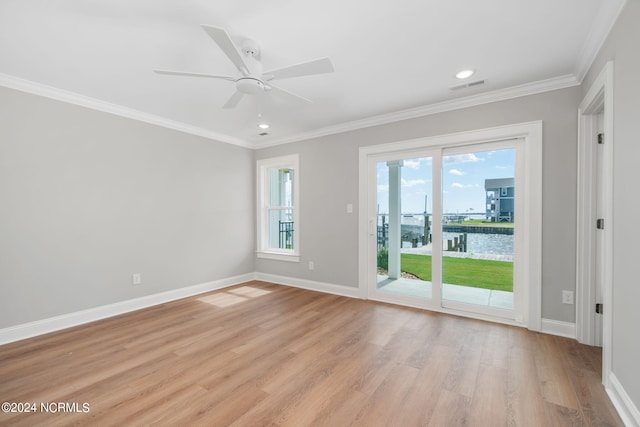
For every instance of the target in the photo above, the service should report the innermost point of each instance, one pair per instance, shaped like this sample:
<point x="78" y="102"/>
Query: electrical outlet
<point x="311" y="266"/>
<point x="349" y="208"/>
<point x="567" y="297"/>
<point x="136" y="279"/>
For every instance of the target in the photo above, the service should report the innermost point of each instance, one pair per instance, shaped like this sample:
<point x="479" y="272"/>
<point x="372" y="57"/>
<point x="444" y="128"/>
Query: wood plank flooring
<point x="260" y="354"/>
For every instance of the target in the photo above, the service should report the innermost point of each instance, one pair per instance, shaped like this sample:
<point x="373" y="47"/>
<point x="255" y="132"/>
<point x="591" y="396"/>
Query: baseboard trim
<point x="310" y="285"/>
<point x="556" y="327"/>
<point x="624" y="405"/>
<point x="40" y="327"/>
<point x="52" y="324"/>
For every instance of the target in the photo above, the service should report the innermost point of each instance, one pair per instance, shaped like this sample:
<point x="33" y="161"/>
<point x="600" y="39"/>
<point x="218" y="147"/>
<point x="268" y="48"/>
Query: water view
<point x="478" y="243"/>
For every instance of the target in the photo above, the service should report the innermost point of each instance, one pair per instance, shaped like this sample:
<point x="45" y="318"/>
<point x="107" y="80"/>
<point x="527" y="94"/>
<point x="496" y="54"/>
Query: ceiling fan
<point x="251" y="79"/>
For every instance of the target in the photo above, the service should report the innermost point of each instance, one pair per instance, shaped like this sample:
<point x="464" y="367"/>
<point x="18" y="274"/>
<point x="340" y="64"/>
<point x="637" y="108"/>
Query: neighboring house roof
<point x="498" y="183"/>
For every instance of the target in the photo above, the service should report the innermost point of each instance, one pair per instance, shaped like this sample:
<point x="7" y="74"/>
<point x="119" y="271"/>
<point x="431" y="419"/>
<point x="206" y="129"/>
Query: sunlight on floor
<point x="249" y="292"/>
<point x="233" y="296"/>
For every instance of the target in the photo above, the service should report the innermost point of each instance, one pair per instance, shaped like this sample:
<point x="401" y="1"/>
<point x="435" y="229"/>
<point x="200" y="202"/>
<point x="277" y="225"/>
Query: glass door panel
<point x="478" y="224"/>
<point x="404" y="227"/>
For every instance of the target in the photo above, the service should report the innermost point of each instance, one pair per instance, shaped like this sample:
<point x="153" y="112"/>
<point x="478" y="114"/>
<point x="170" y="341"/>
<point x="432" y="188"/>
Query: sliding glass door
<point x="446" y="222"/>
<point x="478" y="229"/>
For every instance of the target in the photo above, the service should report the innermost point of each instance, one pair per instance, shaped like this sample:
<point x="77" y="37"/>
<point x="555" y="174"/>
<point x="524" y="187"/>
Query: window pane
<point x="281" y="186"/>
<point x="281" y="228"/>
<point x="478" y="228"/>
<point x="404" y="240"/>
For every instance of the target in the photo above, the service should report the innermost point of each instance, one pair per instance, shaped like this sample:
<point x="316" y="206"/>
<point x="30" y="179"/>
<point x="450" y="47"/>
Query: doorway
<point x="595" y="218"/>
<point x="445" y="220"/>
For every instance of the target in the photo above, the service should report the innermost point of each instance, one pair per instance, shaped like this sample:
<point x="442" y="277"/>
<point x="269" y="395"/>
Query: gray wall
<point x="622" y="47"/>
<point x="88" y="198"/>
<point x="329" y="180"/>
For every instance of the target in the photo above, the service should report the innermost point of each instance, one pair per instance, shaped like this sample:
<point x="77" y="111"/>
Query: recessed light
<point x="263" y="126"/>
<point x="464" y="74"/>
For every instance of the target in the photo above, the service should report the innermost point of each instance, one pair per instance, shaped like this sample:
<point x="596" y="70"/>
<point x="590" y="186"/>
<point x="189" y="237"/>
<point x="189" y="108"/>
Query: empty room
<point x="319" y="214"/>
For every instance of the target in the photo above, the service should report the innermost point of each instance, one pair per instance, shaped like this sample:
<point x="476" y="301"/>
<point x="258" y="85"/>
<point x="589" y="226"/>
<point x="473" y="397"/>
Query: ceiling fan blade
<point x="234" y="100"/>
<point x="225" y="43"/>
<point x="188" y="74"/>
<point x="286" y="94"/>
<point x="318" y="66"/>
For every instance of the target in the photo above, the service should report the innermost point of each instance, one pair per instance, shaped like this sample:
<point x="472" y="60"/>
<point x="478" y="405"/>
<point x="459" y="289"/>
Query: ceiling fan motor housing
<point x="249" y="85"/>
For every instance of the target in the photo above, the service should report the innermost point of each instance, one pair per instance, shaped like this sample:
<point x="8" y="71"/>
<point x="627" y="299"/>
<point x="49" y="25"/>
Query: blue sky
<point x="462" y="179"/>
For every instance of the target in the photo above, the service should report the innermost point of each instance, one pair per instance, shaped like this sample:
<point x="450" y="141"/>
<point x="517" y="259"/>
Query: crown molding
<point x="28" y="86"/>
<point x="606" y="18"/>
<point x="440" y="107"/>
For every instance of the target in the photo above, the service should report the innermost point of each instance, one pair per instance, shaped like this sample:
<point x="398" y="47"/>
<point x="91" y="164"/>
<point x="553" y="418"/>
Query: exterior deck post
<point x="395" y="217"/>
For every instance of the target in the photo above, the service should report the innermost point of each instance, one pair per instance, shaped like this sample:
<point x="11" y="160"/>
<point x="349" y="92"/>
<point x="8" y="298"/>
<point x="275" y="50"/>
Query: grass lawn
<point x="477" y="273"/>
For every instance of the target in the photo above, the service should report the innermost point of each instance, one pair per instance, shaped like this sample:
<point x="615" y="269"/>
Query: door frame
<point x="598" y="99"/>
<point x="531" y="134"/>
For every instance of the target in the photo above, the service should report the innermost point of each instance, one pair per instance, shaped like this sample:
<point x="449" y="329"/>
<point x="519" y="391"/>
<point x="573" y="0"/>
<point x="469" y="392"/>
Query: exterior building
<point x="500" y="199"/>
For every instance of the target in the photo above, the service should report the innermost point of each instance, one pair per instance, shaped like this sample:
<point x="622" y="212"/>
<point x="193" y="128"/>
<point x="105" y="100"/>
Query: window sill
<point x="278" y="256"/>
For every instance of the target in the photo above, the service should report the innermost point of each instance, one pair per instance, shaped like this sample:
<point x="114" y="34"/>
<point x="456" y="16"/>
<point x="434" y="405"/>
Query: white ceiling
<point x="392" y="59"/>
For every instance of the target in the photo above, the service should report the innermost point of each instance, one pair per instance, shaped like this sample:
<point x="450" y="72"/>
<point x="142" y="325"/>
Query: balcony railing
<point x="285" y="229"/>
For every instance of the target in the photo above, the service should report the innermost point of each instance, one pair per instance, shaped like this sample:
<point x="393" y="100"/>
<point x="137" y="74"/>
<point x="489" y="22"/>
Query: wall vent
<point x="467" y="85"/>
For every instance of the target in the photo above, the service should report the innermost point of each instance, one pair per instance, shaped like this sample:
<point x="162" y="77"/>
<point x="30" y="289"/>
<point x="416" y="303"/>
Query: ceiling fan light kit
<point x="252" y="80"/>
<point x="249" y="85"/>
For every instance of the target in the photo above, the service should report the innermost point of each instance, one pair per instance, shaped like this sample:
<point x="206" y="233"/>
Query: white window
<point x="278" y="223"/>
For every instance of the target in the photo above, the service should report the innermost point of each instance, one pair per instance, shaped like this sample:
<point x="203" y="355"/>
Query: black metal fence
<point x="383" y="235"/>
<point x="285" y="229"/>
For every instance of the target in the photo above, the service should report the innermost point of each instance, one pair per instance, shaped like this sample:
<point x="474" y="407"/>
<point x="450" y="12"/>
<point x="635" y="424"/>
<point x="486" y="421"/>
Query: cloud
<point x="463" y="158"/>
<point x="456" y="172"/>
<point x="383" y="188"/>
<point x="412" y="163"/>
<point x="459" y="185"/>
<point x="412" y="182"/>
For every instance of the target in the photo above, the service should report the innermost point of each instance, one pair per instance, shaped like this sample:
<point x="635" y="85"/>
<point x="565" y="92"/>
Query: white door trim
<point x="599" y="99"/>
<point x="531" y="133"/>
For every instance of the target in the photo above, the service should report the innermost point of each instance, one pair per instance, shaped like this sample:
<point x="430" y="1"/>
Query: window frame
<point x="263" y="206"/>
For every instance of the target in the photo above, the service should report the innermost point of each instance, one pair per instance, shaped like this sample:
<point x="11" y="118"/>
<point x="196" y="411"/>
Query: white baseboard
<point x="311" y="285"/>
<point x="624" y="405"/>
<point x="556" y="327"/>
<point x="52" y="324"/>
<point x="28" y="330"/>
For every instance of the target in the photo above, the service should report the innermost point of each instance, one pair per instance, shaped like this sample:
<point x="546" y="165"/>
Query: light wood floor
<point x="262" y="354"/>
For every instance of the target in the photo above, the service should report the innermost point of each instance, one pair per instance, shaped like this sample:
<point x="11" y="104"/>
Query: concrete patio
<point x="465" y="294"/>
